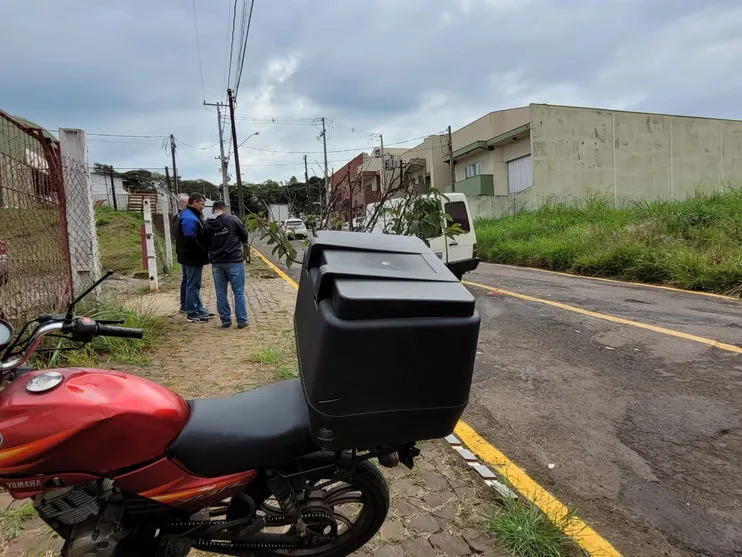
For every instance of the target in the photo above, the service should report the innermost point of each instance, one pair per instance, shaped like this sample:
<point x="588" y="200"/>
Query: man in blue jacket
<point x="193" y="254"/>
<point x="226" y="253"/>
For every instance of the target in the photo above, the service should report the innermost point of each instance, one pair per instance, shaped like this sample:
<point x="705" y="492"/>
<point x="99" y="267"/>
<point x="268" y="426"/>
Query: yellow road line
<point x="575" y="528"/>
<point x="578" y="530"/>
<point x="613" y="319"/>
<point x="626" y="283"/>
<point x="275" y="269"/>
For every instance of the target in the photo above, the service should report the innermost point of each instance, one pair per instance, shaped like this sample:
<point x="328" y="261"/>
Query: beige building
<point x="517" y="158"/>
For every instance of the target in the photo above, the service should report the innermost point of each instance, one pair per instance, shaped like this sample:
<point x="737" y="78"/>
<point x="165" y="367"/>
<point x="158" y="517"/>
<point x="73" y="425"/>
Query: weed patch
<point x="694" y="244"/>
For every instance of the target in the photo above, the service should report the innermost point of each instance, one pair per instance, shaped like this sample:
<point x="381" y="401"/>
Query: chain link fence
<point x="35" y="272"/>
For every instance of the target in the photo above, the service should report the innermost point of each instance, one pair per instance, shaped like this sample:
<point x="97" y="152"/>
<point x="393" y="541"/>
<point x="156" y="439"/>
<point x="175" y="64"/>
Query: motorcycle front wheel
<point x="342" y="514"/>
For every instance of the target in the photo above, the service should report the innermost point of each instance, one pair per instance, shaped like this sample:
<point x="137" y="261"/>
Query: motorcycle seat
<point x="258" y="429"/>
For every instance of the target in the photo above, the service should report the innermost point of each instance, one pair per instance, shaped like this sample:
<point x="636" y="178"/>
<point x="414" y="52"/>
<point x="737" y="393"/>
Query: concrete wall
<point x="490" y="125"/>
<point x="432" y="150"/>
<point x="629" y="155"/>
<point x="495" y="162"/>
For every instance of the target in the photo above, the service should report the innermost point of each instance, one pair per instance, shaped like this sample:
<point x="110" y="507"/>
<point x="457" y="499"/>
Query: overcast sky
<point x="405" y="68"/>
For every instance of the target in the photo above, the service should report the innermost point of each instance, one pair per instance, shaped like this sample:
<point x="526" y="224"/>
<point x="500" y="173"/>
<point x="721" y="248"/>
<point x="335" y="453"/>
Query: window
<point x="520" y="175"/>
<point x="457" y="211"/>
<point x="474" y="169"/>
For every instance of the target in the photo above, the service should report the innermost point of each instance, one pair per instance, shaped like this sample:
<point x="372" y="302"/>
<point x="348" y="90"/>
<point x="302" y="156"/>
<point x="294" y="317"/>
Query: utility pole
<point x="450" y="161"/>
<point x="324" y="148"/>
<point x="113" y="189"/>
<point x="175" y="168"/>
<point x="306" y="171"/>
<point x="235" y="148"/>
<point x="167" y="180"/>
<point x="383" y="166"/>
<point x="224" y="164"/>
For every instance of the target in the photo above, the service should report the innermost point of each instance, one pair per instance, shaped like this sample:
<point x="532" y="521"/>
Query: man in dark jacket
<point x="193" y="255"/>
<point x="226" y="254"/>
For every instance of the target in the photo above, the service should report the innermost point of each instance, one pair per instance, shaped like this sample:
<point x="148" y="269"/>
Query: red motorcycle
<point x="120" y="466"/>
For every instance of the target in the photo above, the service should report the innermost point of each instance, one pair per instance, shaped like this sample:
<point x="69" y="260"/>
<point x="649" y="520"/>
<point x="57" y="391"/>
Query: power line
<point x="214" y="146"/>
<point x="231" y="43"/>
<point x="244" y="48"/>
<point x="332" y="151"/>
<point x="198" y="48"/>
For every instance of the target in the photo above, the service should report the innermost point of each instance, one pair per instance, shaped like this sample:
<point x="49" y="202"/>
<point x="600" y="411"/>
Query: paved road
<point x="639" y="431"/>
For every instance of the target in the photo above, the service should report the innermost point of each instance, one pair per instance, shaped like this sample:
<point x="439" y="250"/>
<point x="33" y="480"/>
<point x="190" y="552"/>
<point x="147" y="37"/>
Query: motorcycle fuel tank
<point x="85" y="421"/>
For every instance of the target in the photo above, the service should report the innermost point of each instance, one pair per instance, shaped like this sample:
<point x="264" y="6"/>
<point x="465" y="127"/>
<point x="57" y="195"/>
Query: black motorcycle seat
<point x="262" y="428"/>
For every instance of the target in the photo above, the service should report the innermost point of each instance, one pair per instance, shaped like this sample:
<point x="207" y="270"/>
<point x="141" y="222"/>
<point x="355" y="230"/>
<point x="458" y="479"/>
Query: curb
<point x="484" y="471"/>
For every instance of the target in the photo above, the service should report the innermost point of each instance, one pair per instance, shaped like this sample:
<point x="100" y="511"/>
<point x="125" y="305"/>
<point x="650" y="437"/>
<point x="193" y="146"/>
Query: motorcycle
<point x="120" y="466"/>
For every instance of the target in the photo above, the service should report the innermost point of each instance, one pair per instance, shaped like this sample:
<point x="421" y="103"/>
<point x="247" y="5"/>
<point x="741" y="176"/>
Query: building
<point x="103" y="187"/>
<point x="518" y="158"/>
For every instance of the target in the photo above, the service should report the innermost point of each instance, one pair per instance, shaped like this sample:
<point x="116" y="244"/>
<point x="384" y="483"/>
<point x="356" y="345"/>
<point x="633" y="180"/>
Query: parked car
<point x="4" y="263"/>
<point x="295" y="228"/>
<point x="458" y="253"/>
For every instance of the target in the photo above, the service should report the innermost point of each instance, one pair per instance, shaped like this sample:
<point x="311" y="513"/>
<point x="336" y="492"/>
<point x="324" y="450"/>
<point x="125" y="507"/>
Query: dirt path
<point x="437" y="508"/>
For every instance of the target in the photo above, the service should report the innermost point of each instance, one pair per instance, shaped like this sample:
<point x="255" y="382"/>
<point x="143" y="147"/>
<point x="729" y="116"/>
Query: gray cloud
<point x="402" y="68"/>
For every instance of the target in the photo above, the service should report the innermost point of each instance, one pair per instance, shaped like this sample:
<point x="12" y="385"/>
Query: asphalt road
<point x="638" y="431"/>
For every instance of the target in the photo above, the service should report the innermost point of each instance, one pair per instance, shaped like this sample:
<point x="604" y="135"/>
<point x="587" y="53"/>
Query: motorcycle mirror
<point x="71" y="307"/>
<point x="6" y="333"/>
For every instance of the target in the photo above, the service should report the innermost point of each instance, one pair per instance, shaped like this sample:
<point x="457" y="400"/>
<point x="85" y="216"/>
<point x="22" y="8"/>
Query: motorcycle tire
<point x="370" y="483"/>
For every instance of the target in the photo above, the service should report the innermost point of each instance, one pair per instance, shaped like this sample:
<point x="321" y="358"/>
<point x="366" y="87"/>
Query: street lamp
<point x="248" y="137"/>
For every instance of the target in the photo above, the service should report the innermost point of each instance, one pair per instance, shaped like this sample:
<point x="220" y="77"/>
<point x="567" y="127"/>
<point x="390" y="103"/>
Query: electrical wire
<point x="195" y="146"/>
<point x="244" y="49"/>
<point x="332" y="150"/>
<point x="231" y="43"/>
<point x="198" y="49"/>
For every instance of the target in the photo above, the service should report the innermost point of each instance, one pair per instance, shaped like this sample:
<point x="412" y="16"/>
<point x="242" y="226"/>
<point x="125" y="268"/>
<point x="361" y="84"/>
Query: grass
<point x="694" y="244"/>
<point x="525" y="531"/>
<point x="280" y="357"/>
<point x="120" y="244"/>
<point x="11" y="520"/>
<point x="103" y="350"/>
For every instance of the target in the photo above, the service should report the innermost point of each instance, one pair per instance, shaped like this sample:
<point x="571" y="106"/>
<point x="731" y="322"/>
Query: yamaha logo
<point x="24" y="484"/>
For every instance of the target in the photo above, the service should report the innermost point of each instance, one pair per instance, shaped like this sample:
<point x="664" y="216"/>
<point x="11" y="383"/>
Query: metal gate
<point x="35" y="272"/>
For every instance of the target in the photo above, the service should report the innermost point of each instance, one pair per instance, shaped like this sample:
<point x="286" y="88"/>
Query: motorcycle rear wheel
<point x="366" y="488"/>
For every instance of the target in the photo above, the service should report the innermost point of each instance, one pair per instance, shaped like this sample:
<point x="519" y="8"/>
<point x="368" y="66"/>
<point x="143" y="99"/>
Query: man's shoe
<point x="207" y="315"/>
<point x="226" y="325"/>
<point x="183" y="310"/>
<point x="242" y="325"/>
<point x="196" y="319"/>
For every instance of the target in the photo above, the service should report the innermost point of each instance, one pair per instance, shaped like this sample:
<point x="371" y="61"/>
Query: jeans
<point x="193" y="276"/>
<point x="233" y="274"/>
<point x="183" y="290"/>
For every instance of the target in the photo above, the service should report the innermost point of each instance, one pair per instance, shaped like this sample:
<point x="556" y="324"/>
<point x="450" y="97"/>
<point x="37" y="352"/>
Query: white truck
<point x="278" y="212"/>
<point x="458" y="253"/>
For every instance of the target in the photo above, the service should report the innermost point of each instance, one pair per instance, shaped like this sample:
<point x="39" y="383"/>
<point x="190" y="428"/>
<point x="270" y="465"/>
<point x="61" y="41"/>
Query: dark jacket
<point x="175" y="232"/>
<point x="227" y="234"/>
<point x="192" y="240"/>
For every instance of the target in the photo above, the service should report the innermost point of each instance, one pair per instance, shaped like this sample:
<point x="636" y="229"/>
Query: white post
<point x="164" y="202"/>
<point x="151" y="253"/>
<point x="83" y="240"/>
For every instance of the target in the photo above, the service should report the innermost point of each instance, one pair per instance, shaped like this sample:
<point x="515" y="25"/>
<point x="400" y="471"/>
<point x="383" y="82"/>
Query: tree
<point x="143" y="181"/>
<point x="210" y="190"/>
<point x="401" y="210"/>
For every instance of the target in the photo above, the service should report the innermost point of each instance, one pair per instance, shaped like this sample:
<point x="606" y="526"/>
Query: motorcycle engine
<point x="86" y="516"/>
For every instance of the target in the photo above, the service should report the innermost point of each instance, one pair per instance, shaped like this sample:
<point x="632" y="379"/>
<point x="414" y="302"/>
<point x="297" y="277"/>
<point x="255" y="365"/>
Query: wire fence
<point x="35" y="272"/>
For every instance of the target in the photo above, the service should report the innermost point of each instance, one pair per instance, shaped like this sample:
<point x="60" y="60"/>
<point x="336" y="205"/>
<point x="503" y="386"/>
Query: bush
<point x="694" y="244"/>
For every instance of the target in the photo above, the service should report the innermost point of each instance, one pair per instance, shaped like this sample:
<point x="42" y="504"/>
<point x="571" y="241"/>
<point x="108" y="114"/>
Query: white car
<point x="295" y="228"/>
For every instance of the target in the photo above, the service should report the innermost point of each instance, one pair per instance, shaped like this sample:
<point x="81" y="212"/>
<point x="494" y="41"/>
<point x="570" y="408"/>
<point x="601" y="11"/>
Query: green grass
<point x="103" y="350"/>
<point x="694" y="244"/>
<point x="525" y="531"/>
<point x="287" y="371"/>
<point x="268" y="356"/>
<point x="120" y="244"/>
<point x="11" y="520"/>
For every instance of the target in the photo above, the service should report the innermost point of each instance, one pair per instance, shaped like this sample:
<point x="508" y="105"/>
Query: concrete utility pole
<point x="306" y="171"/>
<point x="235" y="147"/>
<point x="383" y="166"/>
<point x="175" y="168"/>
<point x="450" y="161"/>
<point x="224" y="163"/>
<point x="167" y="180"/>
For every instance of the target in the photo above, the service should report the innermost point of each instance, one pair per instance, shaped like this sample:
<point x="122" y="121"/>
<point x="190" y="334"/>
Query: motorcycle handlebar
<point x="121" y="332"/>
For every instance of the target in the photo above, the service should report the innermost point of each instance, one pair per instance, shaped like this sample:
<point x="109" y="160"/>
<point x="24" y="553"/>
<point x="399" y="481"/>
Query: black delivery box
<point x="386" y="338"/>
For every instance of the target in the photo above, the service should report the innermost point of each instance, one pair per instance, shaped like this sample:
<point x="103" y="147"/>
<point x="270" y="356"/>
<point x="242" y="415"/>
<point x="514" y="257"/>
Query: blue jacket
<point x="192" y="240"/>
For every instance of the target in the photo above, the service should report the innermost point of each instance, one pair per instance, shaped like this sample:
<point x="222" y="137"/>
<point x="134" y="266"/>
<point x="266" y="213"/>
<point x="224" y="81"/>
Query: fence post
<point x="163" y="201"/>
<point x="83" y="240"/>
<point x="151" y="252"/>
